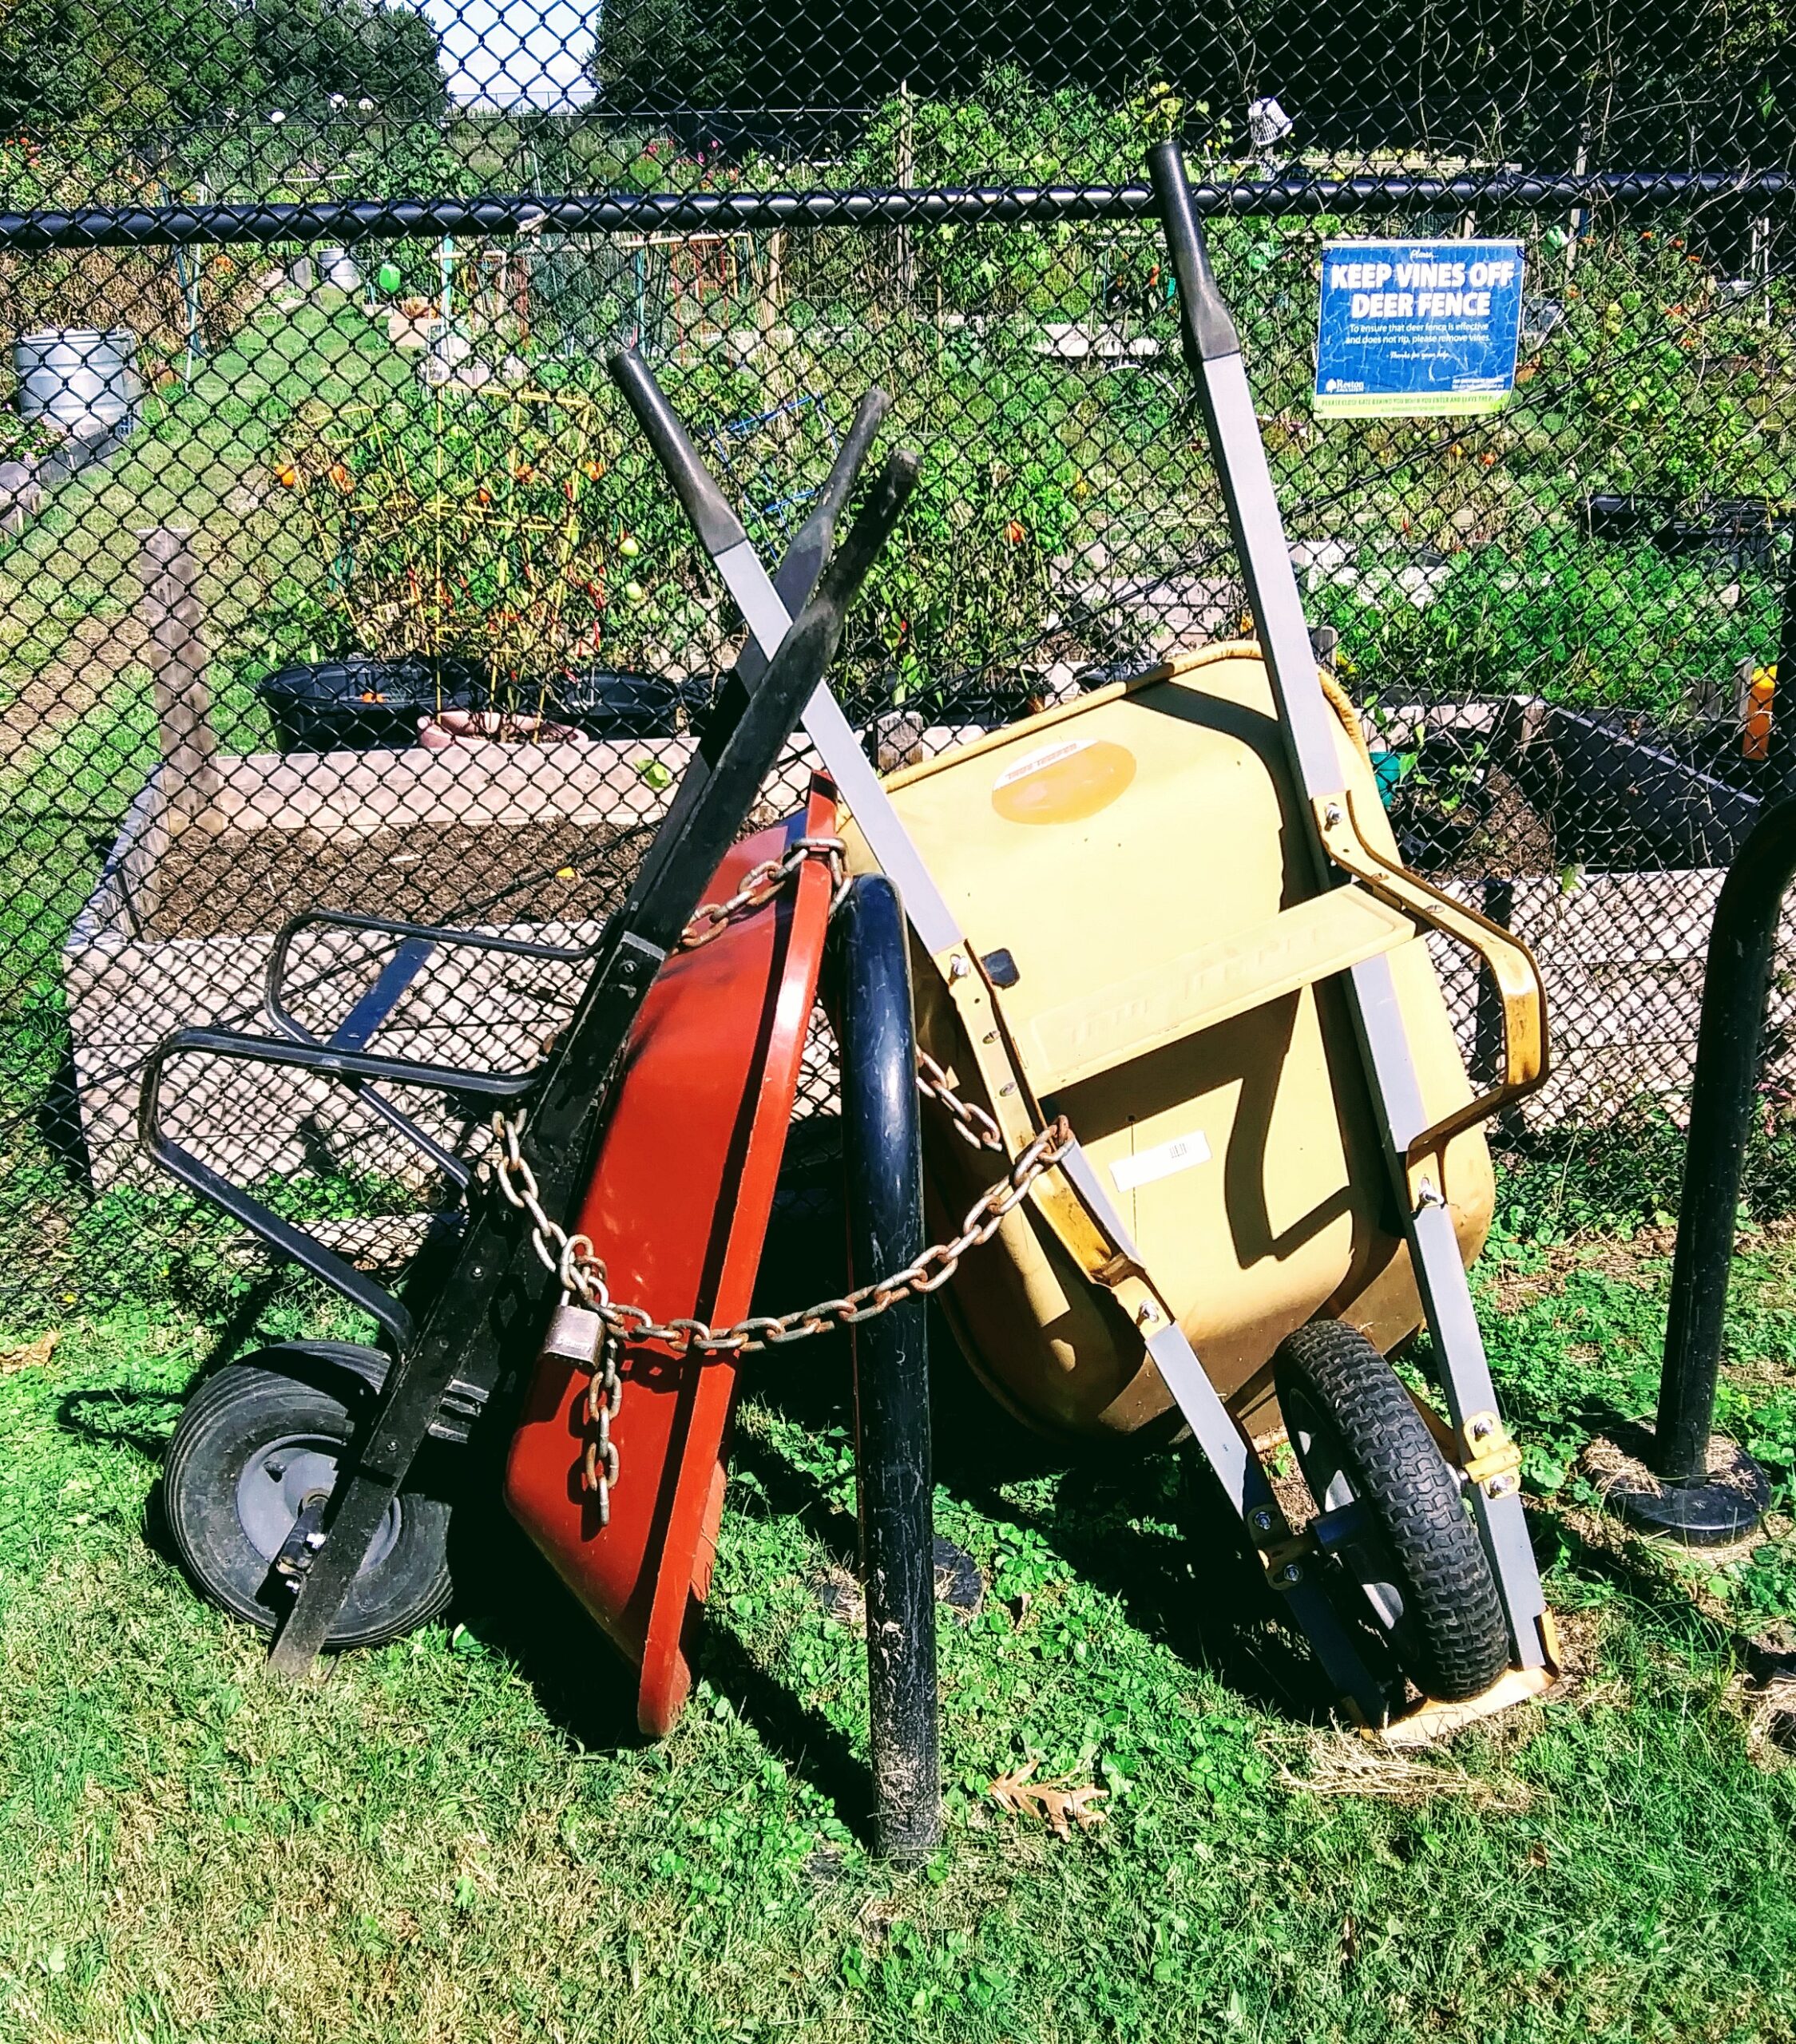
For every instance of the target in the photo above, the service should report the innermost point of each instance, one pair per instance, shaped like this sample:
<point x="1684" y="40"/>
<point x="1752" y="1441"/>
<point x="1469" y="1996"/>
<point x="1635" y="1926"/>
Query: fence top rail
<point x="1371" y="194"/>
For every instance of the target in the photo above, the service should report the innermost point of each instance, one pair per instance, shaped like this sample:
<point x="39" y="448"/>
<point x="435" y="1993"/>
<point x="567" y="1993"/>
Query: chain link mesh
<point x="333" y="573"/>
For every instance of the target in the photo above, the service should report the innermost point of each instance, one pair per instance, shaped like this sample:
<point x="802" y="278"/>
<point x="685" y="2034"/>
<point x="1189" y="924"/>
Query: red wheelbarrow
<point x="636" y="1163"/>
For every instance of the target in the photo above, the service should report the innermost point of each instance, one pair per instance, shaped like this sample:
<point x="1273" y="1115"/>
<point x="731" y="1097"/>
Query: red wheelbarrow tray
<point x="678" y="1209"/>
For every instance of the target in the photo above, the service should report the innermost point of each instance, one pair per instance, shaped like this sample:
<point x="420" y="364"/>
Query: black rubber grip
<point x="718" y="527"/>
<point x="1210" y="332"/>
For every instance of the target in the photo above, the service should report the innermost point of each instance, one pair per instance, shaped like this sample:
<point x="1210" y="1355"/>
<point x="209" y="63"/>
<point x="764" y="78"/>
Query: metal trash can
<point x="80" y="379"/>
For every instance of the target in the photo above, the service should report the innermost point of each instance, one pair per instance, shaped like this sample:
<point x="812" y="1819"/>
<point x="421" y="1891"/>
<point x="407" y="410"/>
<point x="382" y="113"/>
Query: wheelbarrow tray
<point x="1162" y="969"/>
<point x="678" y="1208"/>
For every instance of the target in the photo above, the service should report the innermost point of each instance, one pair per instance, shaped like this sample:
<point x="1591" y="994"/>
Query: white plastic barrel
<point x="337" y="266"/>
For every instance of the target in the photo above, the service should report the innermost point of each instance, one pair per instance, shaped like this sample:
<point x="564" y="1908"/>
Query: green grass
<point x="80" y="732"/>
<point x="457" y="1836"/>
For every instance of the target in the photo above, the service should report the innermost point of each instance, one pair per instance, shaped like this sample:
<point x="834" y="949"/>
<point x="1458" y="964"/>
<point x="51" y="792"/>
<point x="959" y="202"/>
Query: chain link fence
<point x="334" y="575"/>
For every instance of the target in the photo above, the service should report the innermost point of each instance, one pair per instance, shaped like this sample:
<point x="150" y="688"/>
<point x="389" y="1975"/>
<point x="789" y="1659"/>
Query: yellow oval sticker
<point x="1061" y="783"/>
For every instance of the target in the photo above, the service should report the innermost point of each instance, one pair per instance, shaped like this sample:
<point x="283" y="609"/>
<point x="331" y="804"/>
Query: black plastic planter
<point x="1607" y="792"/>
<point x="1619" y="790"/>
<point x="360" y="704"/>
<point x="1741" y="528"/>
<point x="606" y="704"/>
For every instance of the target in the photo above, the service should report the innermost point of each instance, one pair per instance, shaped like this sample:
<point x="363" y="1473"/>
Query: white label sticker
<point x="1044" y="755"/>
<point x="1161" y="1162"/>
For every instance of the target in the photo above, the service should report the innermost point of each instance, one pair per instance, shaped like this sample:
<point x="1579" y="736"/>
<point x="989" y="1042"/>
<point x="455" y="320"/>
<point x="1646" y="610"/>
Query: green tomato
<point x="628" y="547"/>
<point x="633" y="591"/>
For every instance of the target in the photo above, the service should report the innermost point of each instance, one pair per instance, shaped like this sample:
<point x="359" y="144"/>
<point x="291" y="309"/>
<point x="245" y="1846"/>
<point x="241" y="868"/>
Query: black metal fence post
<point x="882" y="1160"/>
<point x="1692" y="1501"/>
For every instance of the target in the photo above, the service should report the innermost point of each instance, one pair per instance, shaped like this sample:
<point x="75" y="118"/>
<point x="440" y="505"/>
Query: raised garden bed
<point x="537" y="841"/>
<point x="1602" y="846"/>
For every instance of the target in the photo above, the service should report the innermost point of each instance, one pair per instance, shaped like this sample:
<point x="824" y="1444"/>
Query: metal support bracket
<point x="1489" y="1458"/>
<point x="1521" y="990"/>
<point x="1290" y="1565"/>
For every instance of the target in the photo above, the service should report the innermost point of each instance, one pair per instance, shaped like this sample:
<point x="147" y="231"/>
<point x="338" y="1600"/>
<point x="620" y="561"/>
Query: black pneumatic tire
<point x="1424" y="1578"/>
<point x="253" y="1440"/>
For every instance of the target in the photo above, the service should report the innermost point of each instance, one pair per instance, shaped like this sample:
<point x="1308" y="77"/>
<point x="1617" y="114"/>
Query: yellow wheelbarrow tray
<point x="1142" y="949"/>
<point x="1143" y="954"/>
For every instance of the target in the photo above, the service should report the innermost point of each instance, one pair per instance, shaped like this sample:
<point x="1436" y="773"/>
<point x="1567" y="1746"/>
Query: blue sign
<point x="1411" y="328"/>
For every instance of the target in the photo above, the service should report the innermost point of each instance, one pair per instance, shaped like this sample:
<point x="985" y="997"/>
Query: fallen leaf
<point x="32" y="1354"/>
<point x="1059" y="1804"/>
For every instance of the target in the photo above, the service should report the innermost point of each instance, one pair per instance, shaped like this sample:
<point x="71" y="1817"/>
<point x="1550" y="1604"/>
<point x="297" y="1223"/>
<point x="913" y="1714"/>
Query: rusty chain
<point x="971" y="1123"/>
<point x="762" y="882"/>
<point x="581" y="1273"/>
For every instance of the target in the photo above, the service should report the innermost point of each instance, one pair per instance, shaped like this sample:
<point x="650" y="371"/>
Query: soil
<point x="1511" y="840"/>
<point x="1609" y="1257"/>
<point x="239" y="883"/>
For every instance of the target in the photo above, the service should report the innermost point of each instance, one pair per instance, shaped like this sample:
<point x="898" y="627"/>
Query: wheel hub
<point x="277" y="1480"/>
<point x="1355" y="1540"/>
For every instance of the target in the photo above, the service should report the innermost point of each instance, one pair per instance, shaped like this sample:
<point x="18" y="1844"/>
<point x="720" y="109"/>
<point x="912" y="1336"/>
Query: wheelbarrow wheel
<point x="256" y="1442"/>
<point x="1408" y="1545"/>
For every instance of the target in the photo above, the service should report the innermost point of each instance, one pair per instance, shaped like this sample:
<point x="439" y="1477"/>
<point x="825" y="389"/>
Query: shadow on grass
<point x="119" y="1416"/>
<point x="511" y="1600"/>
<point x="58" y="1119"/>
<point x="1625" y="1564"/>
<point x="1195" y="1590"/>
<point x="1169" y="1552"/>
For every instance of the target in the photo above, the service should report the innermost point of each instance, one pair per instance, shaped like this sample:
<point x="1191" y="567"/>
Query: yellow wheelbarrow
<point x="1176" y="985"/>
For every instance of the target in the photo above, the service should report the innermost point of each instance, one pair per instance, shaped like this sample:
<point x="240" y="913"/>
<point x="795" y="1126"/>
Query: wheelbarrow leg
<point x="1213" y="353"/>
<point x="882" y="1157"/>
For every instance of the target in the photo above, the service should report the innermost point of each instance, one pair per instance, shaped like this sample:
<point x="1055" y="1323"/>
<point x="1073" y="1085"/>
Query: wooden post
<point x="1576" y="220"/>
<point x="177" y="660"/>
<point x="775" y="374"/>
